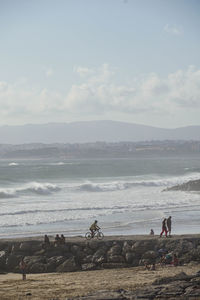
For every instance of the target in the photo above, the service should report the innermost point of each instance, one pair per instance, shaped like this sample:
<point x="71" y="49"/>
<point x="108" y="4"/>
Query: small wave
<point x="34" y="211"/>
<point x="40" y="188"/>
<point x="7" y="193"/>
<point x="13" y="164"/>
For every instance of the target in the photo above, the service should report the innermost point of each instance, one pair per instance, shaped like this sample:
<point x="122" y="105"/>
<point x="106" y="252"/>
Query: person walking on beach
<point x="164" y="227"/>
<point x="22" y="266"/>
<point x="169" y="225"/>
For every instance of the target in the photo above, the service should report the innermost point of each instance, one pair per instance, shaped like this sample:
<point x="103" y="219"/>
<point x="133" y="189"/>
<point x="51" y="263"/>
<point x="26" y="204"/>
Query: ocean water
<point x="125" y="195"/>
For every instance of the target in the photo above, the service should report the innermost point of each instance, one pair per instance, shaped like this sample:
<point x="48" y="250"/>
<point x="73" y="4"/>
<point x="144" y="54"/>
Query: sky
<point x="79" y="60"/>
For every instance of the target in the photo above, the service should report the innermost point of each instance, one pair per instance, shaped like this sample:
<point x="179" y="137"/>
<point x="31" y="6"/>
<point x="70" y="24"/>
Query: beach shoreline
<point x="81" y="238"/>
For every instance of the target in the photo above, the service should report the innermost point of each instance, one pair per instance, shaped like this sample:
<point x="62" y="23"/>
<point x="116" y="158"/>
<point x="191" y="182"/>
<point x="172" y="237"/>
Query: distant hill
<point x="92" y="131"/>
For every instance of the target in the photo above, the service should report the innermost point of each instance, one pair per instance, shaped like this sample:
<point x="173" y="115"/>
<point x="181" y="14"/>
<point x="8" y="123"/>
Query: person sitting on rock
<point x="175" y="261"/>
<point x="94" y="227"/>
<point x="62" y="239"/>
<point x="57" y="240"/>
<point x="168" y="258"/>
<point x="46" y="243"/>
<point x="151" y="232"/>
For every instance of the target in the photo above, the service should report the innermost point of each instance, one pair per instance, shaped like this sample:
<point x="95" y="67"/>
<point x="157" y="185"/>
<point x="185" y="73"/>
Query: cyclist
<point x="94" y="227"/>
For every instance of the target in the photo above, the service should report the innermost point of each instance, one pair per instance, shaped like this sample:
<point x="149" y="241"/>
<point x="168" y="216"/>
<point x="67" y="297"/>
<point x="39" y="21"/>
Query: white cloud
<point x="173" y="29"/>
<point x="83" y="71"/>
<point x="98" y="94"/>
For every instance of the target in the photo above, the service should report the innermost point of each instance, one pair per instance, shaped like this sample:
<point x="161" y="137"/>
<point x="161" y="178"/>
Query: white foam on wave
<point x="40" y="188"/>
<point x="13" y="164"/>
<point x="32" y="187"/>
<point x="7" y="193"/>
<point x="123" y="185"/>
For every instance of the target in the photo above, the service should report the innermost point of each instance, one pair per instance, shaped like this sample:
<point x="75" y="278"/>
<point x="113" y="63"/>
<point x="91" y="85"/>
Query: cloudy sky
<point x="126" y="60"/>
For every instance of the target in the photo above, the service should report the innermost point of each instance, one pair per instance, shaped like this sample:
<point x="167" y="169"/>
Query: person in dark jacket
<point x="169" y="224"/>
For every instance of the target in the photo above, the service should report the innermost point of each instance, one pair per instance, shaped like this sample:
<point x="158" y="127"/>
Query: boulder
<point x="26" y="247"/>
<point x="54" y="262"/>
<point x="127" y="247"/>
<point x="15" y="249"/>
<point x="150" y="256"/>
<point x="129" y="256"/>
<point x="88" y="267"/>
<point x="12" y="261"/>
<point x="88" y="251"/>
<point x="99" y="256"/>
<point x="87" y="259"/>
<point x="69" y="265"/>
<point x="114" y="250"/>
<point x="2" y="260"/>
<point x="31" y="261"/>
<point x="37" y="268"/>
<point x="115" y="259"/>
<point x="93" y="244"/>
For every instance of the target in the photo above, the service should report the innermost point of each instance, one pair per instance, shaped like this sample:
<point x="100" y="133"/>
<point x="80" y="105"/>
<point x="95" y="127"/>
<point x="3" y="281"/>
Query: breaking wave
<point x="123" y="185"/>
<point x="32" y="187"/>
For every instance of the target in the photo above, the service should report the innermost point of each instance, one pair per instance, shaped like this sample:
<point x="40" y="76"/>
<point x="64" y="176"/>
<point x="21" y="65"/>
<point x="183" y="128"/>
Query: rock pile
<point x="192" y="185"/>
<point x="90" y="255"/>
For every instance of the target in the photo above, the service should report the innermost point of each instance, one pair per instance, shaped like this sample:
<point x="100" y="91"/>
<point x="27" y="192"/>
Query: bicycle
<point x="97" y="234"/>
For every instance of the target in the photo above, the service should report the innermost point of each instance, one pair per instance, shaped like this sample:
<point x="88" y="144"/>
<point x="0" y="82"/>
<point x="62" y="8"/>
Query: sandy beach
<point x="61" y="286"/>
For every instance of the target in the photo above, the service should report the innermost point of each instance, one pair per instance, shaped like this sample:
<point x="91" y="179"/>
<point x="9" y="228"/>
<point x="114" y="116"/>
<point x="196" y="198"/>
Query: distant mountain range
<point x="92" y="131"/>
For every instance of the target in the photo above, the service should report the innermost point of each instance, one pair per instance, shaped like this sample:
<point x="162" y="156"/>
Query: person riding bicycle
<point x="94" y="227"/>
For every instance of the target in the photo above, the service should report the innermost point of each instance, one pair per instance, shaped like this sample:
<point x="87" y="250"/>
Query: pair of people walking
<point x="166" y="226"/>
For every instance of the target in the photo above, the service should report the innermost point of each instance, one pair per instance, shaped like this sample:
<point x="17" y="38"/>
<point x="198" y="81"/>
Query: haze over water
<point x="125" y="195"/>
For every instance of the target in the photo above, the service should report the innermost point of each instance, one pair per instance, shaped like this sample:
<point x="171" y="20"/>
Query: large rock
<point x="35" y="263"/>
<point x="127" y="247"/>
<point x="12" y="261"/>
<point x="115" y="259"/>
<point x="115" y="250"/>
<point x="88" y="267"/>
<point x="54" y="262"/>
<point x="129" y="257"/>
<point x="87" y="259"/>
<point x="99" y="256"/>
<point x="192" y="185"/>
<point x="38" y="268"/>
<point x="69" y="265"/>
<point x="26" y="247"/>
<point x="150" y="256"/>
<point x="2" y="260"/>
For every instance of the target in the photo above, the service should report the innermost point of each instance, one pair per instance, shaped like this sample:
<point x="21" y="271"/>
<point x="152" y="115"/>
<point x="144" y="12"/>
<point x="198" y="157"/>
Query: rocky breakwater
<point x="82" y="255"/>
<point x="192" y="185"/>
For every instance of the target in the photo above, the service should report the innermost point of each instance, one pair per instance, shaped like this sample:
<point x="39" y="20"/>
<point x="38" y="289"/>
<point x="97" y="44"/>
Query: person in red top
<point x="164" y="227"/>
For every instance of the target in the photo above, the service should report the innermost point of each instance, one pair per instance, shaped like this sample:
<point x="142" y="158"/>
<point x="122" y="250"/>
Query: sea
<point x="125" y="195"/>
